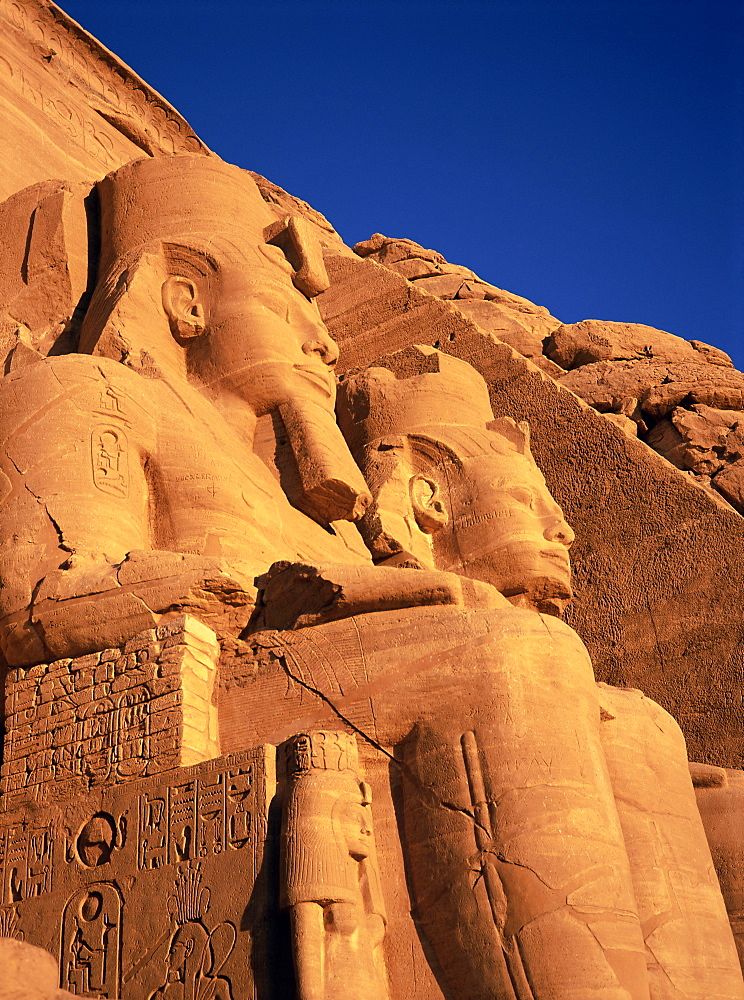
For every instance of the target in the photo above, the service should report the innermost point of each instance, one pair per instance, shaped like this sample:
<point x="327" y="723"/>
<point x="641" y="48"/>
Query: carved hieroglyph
<point x="108" y="717"/>
<point x="133" y="887"/>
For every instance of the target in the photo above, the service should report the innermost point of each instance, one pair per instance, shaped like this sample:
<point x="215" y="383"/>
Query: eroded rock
<point x="513" y="319"/>
<point x="28" y="973"/>
<point x="702" y="439"/>
<point x="576" y="344"/>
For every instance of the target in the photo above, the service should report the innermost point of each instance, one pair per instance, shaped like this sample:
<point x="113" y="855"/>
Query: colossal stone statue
<point x="128" y="469"/>
<point x="508" y="766"/>
<point x="186" y="458"/>
<point x="429" y="469"/>
<point x="200" y="328"/>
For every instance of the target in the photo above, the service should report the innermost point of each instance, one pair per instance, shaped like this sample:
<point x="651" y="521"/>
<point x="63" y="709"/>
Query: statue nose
<point x="560" y="531"/>
<point x="325" y="348"/>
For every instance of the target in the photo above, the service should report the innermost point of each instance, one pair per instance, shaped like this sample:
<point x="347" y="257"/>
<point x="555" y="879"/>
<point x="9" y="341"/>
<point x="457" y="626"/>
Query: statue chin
<point x="528" y="576"/>
<point x="548" y="592"/>
<point x="543" y="603"/>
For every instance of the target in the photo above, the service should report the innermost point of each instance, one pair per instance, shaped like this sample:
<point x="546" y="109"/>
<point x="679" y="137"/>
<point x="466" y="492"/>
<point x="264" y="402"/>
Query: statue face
<point x="265" y="341"/>
<point x="505" y="528"/>
<point x="352" y="823"/>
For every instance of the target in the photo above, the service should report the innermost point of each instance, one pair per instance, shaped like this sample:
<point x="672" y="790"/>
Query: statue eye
<point x="522" y="495"/>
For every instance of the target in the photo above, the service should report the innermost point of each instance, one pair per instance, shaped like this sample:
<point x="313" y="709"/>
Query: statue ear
<point x="183" y="306"/>
<point x="428" y="509"/>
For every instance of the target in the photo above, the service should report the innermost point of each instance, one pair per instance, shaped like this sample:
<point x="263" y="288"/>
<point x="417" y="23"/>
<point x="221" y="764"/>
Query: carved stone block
<point x="144" y="888"/>
<point x="107" y="717"/>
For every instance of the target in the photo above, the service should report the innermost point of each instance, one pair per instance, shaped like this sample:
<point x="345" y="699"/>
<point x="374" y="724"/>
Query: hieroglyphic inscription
<point x="196" y="956"/>
<point x="132" y="879"/>
<point x="108" y="447"/>
<point x="9" y="918"/>
<point x="90" y="957"/>
<point x="195" y="819"/>
<point x="105" y="717"/>
<point x="73" y="124"/>
<point x="200" y="813"/>
<point x="26" y="862"/>
<point x="68" y="48"/>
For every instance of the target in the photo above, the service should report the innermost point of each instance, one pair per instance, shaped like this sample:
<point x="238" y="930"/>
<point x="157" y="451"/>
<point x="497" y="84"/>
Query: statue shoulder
<point x="73" y="369"/>
<point x="86" y="389"/>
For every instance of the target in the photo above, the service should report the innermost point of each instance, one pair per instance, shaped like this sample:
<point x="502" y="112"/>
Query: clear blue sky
<point x="588" y="154"/>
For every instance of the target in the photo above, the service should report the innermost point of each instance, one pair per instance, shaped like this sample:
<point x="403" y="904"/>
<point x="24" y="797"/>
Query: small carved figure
<point x="329" y="876"/>
<point x="196" y="956"/>
<point x="91" y="941"/>
<point x="194" y="961"/>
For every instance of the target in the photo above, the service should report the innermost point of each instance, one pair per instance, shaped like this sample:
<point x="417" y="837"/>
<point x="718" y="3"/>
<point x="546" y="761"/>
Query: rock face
<point x="509" y="317"/>
<point x="635" y="374"/>
<point x="290" y="709"/>
<point x="29" y="973"/>
<point x="577" y="344"/>
<point x="687" y="411"/>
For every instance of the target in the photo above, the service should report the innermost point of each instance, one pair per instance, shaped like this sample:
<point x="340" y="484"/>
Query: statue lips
<point x="521" y="563"/>
<point x="269" y="383"/>
<point x="557" y="553"/>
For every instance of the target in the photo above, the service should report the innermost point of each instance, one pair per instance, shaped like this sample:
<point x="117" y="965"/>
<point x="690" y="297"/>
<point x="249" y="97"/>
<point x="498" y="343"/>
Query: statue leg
<point x="515" y="853"/>
<point x="691" y="951"/>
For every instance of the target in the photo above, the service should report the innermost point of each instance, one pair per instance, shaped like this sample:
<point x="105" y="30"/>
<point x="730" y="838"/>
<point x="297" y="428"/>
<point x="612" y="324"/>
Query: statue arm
<point x="294" y="595"/>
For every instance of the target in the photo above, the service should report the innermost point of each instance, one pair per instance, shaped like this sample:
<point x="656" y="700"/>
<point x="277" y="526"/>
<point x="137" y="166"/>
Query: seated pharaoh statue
<point x="543" y="859"/>
<point x="188" y="458"/>
<point x="129" y="468"/>
<point x="133" y="486"/>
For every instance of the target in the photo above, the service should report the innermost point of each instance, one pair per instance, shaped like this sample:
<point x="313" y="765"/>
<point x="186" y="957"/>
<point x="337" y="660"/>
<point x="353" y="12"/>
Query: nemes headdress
<point x="170" y="197"/>
<point x="194" y="201"/>
<point x="421" y="392"/>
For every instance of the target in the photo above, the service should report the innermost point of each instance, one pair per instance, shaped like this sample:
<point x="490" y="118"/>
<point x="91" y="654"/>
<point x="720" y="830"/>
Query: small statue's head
<point x="197" y="274"/>
<point x="454" y="489"/>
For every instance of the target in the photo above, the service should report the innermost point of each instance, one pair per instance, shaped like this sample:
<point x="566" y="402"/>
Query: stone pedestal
<point x="137" y="885"/>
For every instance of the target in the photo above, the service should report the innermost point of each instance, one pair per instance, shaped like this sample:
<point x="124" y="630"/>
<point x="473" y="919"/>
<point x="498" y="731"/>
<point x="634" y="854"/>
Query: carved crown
<point x="421" y="391"/>
<point x="190" y="900"/>
<point x="322" y="751"/>
<point x="414" y="388"/>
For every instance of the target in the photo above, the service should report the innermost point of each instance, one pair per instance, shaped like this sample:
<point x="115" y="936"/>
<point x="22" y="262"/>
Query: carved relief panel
<point x="141" y="889"/>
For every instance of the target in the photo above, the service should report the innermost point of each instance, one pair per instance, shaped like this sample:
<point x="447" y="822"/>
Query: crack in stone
<point x="426" y="791"/>
<point x="62" y="544"/>
<point x="327" y="701"/>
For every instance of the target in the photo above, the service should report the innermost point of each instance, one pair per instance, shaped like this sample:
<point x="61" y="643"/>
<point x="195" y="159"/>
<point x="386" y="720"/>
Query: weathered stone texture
<point x="209" y="545"/>
<point x="68" y="107"/>
<point x="648" y="620"/>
